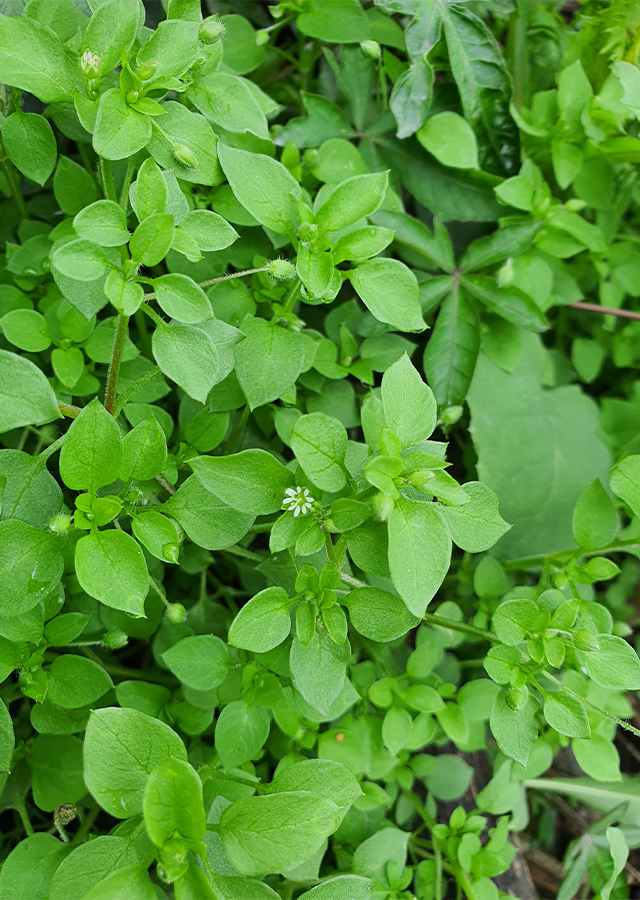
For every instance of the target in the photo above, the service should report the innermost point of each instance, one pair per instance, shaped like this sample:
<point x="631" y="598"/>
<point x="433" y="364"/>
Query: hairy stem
<point x="71" y="412"/>
<point x="602" y="712"/>
<point x="106" y="179"/>
<point x="116" y="360"/>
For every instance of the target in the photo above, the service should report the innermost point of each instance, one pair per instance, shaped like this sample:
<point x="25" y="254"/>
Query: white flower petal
<point x="290" y="492"/>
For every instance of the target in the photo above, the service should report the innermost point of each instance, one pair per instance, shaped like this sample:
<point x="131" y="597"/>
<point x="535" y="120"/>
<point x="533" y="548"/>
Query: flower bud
<point x="559" y="580"/>
<point x="417" y="479"/>
<point x="89" y="64"/>
<point x="262" y="38"/>
<point x="382" y="506"/>
<point x="515" y="698"/>
<point x="116" y="639"/>
<point x="132" y="97"/>
<point x="281" y="269"/>
<point x="575" y="205"/>
<point x="185" y="156"/>
<point x="211" y="30"/>
<point x="307" y="232"/>
<point x="176" y="613"/>
<point x="586" y="641"/>
<point x="451" y="415"/>
<point x="59" y="524"/>
<point x="370" y="49"/>
<point x="147" y="70"/>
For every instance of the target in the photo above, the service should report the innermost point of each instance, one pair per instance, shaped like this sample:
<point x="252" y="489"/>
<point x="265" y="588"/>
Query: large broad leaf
<point x="34" y="58"/>
<point x="26" y="397"/>
<point x="419" y="552"/>
<point x="536" y="449"/>
<point x="450" y="194"/>
<point x="510" y="303"/>
<point x="452" y="351"/>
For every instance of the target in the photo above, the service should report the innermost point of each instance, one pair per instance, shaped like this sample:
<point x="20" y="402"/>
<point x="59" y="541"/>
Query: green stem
<point x="116" y="359"/>
<point x="211" y="281"/>
<point x="71" y="412"/>
<point x="602" y="712"/>
<point x="85" y="826"/>
<point x="124" y="192"/>
<point x="106" y="178"/>
<point x="14" y="187"/>
<point x="243" y="553"/>
<point x="51" y="449"/>
<point x="133" y="389"/>
<point x="462" y="627"/>
<point x="289" y="303"/>
<point x="24" y="817"/>
<point x="211" y="876"/>
<point x="129" y="674"/>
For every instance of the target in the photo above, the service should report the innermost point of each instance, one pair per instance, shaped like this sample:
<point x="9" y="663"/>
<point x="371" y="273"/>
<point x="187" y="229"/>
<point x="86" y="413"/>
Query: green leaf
<point x="351" y="201"/>
<point x="29" y="867"/>
<point x="325" y="122"/>
<point x="477" y="525"/>
<point x="56" y="762"/>
<point x="508" y="241"/>
<point x="129" y="883"/>
<point x="567" y="715"/>
<point x="384" y="848"/>
<point x="80" y="260"/>
<point x="451" y="354"/>
<point x="270" y="834"/>
<point x="188" y="356"/>
<point x="33" y="58"/>
<point x="615" y="665"/>
<point x="91" y="455"/>
<point x="7" y="742"/>
<point x="315" y="269"/>
<point x="102" y="222"/>
<point x="110" y="567"/>
<point x="619" y="854"/>
<point x="436" y="247"/>
<point x="120" y="131"/>
<point x="157" y="534"/>
<point x="210" y="230"/>
<point x="26" y="329"/>
<point x="26" y="397"/>
<point x="193" y="132"/>
<point x="111" y="30"/>
<point x="318" y="669"/>
<point x="362" y="244"/>
<point x="73" y="187"/>
<point x="625" y="482"/>
<point x="378" y="615"/>
<point x="263" y="186"/>
<point x="449" y="138"/>
<point x="514" y="619"/>
<point x="396" y="728"/>
<point x="252" y="481"/>
<point x="152" y="239"/>
<point x="173" y="47"/>
<point x="150" y="190"/>
<point x="595" y="521"/>
<point x="144" y="452"/>
<point x="121" y="749"/>
<point x="268" y="361"/>
<point x="263" y="623"/>
<point x="409" y="405"/>
<point x="30" y="566"/>
<point x="227" y="101"/>
<point x="411" y="97"/>
<point x="330" y="779"/>
<point x="515" y="730"/>
<point x="75" y="681"/>
<point x="597" y="757"/>
<point x="30" y="493"/>
<point x="241" y="731"/>
<point x="342" y="887"/>
<point x="390" y="292"/>
<point x="207" y="520"/>
<point x="508" y="302"/>
<point x="172" y="802"/>
<point x="30" y="145"/>
<point x="419" y="552"/>
<point x="320" y="443"/>
<point x="200" y="661"/>
<point x="520" y="428"/>
<point x="343" y="23"/>
<point x="89" y="863"/>
<point x="182" y="299"/>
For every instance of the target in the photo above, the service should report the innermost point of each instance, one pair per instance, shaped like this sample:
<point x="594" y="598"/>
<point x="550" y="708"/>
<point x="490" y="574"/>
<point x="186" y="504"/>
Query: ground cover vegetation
<point x="320" y="466"/>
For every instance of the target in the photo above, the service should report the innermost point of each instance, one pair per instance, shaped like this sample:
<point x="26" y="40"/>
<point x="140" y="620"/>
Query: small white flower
<point x="299" y="501"/>
<point x="89" y="64"/>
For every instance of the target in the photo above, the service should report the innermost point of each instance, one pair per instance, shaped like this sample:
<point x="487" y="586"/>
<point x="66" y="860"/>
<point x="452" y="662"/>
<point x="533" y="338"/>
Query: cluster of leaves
<point x="241" y="656"/>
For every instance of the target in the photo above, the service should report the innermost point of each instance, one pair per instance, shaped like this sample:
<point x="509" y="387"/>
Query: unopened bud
<point x="586" y="641"/>
<point x="575" y="205"/>
<point x="176" y="613"/>
<point x="262" y="38"/>
<point x="281" y="269"/>
<point x="382" y="506"/>
<point x="559" y="580"/>
<point x="132" y="97"/>
<point x="89" y="64"/>
<point x="370" y="49"/>
<point x="147" y="70"/>
<point x="451" y="415"/>
<point x="515" y="698"/>
<point x="307" y="232"/>
<point x="211" y="30"/>
<point x="185" y="156"/>
<point x="59" y="524"/>
<point x="116" y="639"/>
